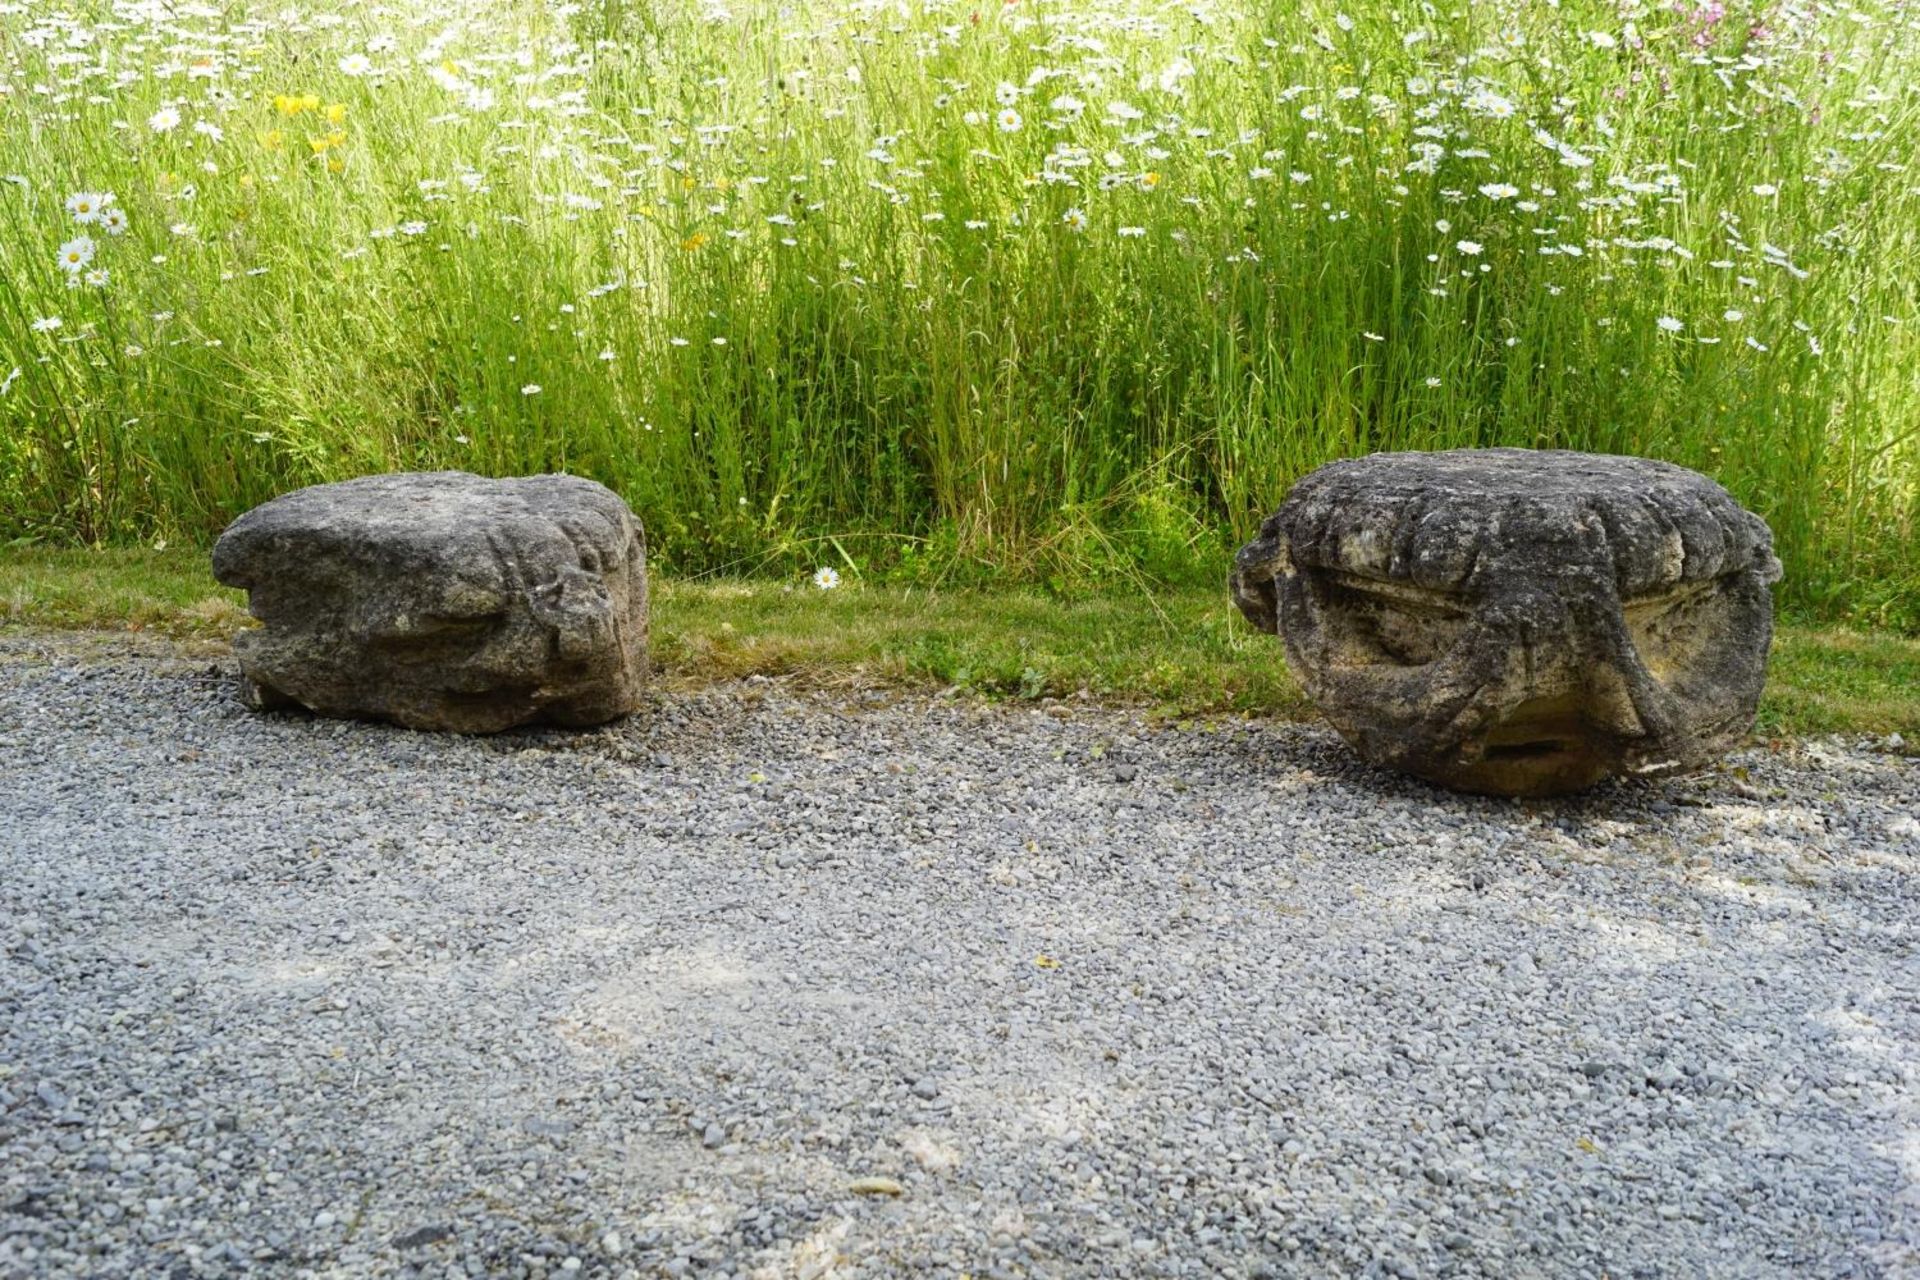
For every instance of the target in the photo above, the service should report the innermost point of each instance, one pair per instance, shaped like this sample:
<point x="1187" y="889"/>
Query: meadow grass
<point x="1181" y="651"/>
<point x="935" y="292"/>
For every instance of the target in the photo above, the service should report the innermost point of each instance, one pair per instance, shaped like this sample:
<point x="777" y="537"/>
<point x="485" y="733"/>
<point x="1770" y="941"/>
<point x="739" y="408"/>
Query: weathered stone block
<point x="1518" y="622"/>
<point x="444" y="600"/>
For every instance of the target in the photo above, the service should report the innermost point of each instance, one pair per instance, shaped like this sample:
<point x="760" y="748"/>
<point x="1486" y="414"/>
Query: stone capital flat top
<point x="431" y="513"/>
<point x="1447" y="521"/>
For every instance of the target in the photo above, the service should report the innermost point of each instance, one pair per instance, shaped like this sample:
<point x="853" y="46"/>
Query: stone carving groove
<point x="1518" y="622"/>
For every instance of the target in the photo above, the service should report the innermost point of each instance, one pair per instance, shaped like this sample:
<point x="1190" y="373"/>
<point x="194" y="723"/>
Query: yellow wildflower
<point x="336" y="112"/>
<point x="694" y="241"/>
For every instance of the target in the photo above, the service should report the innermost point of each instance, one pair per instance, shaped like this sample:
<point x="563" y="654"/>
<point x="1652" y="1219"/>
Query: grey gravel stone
<point x="1189" y="1027"/>
<point x="430" y="1234"/>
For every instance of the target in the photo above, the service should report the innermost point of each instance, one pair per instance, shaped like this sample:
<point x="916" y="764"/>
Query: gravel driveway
<point x="1094" y="995"/>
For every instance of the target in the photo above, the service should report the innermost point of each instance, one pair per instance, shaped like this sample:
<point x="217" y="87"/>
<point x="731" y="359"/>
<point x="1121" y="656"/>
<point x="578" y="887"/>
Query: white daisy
<point x="75" y="254"/>
<point x="86" y="206"/>
<point x="1491" y="105"/>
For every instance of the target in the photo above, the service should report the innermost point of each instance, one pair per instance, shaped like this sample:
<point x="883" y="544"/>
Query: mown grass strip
<point x="1182" y="650"/>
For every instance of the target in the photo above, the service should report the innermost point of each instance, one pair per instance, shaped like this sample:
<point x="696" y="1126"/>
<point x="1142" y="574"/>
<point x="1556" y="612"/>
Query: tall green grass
<point x="762" y="218"/>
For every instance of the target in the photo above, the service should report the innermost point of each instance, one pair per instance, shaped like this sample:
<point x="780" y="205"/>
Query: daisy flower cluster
<point x="90" y="212"/>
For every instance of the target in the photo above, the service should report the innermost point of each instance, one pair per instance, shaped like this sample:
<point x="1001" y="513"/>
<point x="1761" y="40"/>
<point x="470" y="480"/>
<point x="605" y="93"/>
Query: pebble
<point x="875" y="1187"/>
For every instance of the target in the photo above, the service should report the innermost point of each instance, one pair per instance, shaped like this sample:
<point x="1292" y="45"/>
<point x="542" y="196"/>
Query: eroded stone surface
<point x="444" y="600"/>
<point x="1518" y="622"/>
